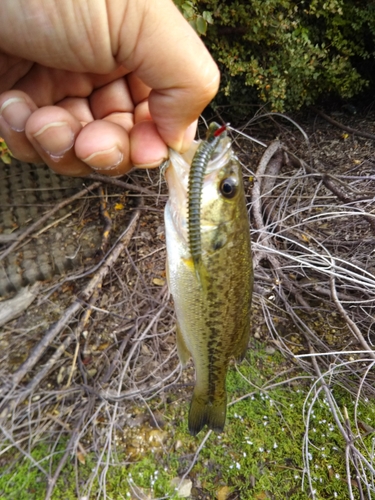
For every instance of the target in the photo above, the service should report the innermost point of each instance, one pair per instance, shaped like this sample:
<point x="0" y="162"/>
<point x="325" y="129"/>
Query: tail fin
<point x="207" y="410"/>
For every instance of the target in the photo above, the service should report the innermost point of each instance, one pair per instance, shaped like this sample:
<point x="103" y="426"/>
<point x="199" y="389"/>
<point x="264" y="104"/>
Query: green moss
<point x="22" y="480"/>
<point x="258" y="456"/>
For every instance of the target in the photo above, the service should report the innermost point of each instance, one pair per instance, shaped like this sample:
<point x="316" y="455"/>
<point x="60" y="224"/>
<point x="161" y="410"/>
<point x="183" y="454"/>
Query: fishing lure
<point x="196" y="176"/>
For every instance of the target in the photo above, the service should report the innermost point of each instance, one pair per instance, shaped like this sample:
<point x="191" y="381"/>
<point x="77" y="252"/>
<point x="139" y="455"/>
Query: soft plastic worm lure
<point x="196" y="175"/>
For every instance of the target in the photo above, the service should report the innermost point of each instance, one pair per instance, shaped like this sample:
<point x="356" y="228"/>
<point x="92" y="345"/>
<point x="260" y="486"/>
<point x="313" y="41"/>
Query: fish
<point x="209" y="268"/>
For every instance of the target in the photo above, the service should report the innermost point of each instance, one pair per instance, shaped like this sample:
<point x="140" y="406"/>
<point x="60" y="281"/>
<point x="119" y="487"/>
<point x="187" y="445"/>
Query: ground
<point x="101" y="413"/>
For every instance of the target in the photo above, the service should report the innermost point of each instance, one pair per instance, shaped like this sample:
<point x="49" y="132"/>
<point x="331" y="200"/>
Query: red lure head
<point x="220" y="130"/>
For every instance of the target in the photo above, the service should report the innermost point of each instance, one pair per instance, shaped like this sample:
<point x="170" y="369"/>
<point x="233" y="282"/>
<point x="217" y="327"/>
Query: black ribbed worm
<point x="196" y="176"/>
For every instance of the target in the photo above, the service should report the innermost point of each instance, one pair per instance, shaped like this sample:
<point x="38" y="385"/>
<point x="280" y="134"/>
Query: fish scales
<point x="213" y="313"/>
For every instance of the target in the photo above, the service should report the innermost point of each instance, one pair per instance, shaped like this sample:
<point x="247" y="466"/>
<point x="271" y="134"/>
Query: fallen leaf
<point x="158" y="282"/>
<point x="223" y="493"/>
<point x="367" y="428"/>
<point x="183" y="487"/>
<point x="261" y="496"/>
<point x="104" y="346"/>
<point x="81" y="457"/>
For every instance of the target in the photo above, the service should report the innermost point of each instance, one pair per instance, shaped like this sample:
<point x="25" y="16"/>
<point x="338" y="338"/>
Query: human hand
<point x="96" y="85"/>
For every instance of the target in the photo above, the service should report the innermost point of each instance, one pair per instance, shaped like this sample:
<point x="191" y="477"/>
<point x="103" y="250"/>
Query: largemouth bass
<point x="209" y="269"/>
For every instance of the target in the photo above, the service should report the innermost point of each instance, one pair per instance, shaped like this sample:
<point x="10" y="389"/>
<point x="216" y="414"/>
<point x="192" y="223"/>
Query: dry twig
<point x="51" y="334"/>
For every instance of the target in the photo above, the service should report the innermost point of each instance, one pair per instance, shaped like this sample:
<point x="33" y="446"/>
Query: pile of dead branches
<point x="92" y="343"/>
<point x="313" y="216"/>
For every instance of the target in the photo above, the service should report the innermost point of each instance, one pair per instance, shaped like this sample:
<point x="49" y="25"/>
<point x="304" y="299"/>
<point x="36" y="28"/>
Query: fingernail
<point x="15" y="112"/>
<point x="55" y="138"/>
<point x="151" y="165"/>
<point x="107" y="159"/>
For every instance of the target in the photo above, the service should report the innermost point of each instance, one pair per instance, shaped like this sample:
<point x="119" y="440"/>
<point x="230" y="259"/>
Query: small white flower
<point x="261" y="449"/>
<point x="274" y="446"/>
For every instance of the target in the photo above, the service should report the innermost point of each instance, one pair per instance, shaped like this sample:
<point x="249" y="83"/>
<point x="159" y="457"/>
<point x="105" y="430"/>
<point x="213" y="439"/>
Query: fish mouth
<point x="182" y="162"/>
<point x="220" y="155"/>
<point x="177" y="176"/>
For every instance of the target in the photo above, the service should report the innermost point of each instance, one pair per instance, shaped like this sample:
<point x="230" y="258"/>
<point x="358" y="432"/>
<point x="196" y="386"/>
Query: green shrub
<point x="289" y="52"/>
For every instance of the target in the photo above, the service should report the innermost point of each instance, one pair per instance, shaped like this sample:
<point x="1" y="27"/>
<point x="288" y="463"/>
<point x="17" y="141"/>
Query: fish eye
<point x="228" y="187"/>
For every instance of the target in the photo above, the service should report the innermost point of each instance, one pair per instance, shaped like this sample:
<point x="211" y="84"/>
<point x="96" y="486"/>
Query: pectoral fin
<point x="201" y="275"/>
<point x="241" y="347"/>
<point x="200" y="271"/>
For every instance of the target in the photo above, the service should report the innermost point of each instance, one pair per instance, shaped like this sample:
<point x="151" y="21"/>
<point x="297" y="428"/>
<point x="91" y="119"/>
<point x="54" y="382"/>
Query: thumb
<point x="171" y="59"/>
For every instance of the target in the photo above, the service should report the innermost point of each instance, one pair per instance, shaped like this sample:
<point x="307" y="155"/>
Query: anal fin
<point x="242" y="346"/>
<point x="182" y="351"/>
